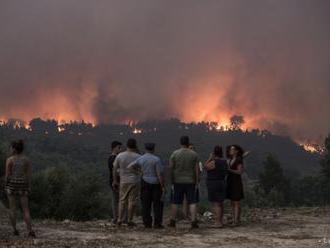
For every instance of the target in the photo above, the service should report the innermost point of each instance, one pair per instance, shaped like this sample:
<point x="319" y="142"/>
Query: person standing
<point x="115" y="150"/>
<point x="234" y="181"/>
<point x="152" y="186"/>
<point x="18" y="185"/>
<point x="184" y="168"/>
<point x="216" y="168"/>
<point x="129" y="185"/>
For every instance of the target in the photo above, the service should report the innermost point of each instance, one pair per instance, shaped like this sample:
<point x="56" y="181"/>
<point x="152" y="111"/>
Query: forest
<point x="70" y="172"/>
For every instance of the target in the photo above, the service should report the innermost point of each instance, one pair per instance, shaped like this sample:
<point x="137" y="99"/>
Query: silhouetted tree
<point x="272" y="178"/>
<point x="236" y="122"/>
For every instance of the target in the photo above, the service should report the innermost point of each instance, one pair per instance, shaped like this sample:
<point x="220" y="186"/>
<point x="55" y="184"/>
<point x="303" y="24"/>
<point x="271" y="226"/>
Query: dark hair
<point x="228" y="152"/>
<point x="239" y="149"/>
<point x="18" y="146"/>
<point x="150" y="146"/>
<point x="217" y="151"/>
<point x="131" y="143"/>
<point x="184" y="141"/>
<point x="114" y="144"/>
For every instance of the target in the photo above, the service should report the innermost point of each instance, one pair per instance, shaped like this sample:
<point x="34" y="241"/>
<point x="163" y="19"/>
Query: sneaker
<point x="194" y="224"/>
<point x="172" y="223"/>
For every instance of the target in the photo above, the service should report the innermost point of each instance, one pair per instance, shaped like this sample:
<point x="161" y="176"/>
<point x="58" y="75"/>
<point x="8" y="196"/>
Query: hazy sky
<point x="109" y="61"/>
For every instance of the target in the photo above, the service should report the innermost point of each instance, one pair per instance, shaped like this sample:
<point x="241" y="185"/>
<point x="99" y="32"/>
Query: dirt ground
<point x="303" y="227"/>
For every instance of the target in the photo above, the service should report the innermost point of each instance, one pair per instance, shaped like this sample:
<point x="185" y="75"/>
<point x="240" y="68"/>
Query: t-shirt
<point x="150" y="165"/>
<point x="184" y="163"/>
<point x="219" y="172"/>
<point x="122" y="161"/>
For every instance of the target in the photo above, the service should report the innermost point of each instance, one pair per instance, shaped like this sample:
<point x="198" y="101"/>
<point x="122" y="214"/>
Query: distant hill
<point x="80" y="144"/>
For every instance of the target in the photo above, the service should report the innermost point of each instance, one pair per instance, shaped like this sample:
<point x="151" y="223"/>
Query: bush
<point x="58" y="193"/>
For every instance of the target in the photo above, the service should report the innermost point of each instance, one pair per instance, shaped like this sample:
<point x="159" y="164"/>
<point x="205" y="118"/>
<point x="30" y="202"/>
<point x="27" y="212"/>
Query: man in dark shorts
<point x="184" y="166"/>
<point x="115" y="150"/>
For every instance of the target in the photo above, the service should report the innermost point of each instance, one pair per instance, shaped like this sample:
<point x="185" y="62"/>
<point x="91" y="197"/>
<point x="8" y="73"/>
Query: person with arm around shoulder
<point x="216" y="168"/>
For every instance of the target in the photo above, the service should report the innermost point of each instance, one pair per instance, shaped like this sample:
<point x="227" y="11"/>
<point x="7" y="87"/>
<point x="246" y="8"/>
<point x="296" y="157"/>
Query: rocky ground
<point x="303" y="227"/>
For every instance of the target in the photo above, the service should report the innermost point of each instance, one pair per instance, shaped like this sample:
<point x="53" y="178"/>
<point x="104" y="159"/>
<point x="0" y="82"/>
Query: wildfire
<point x="137" y="131"/>
<point x="313" y="148"/>
<point x="60" y="129"/>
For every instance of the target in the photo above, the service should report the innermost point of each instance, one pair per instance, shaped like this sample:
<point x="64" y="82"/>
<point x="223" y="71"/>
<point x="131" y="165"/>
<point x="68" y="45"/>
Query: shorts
<point x="181" y="190"/>
<point x="216" y="190"/>
<point x="17" y="187"/>
<point x="129" y="193"/>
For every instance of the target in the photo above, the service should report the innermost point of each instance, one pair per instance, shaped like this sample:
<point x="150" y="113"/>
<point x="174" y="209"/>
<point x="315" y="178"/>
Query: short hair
<point x="131" y="143"/>
<point x="18" y="146"/>
<point x="217" y="151"/>
<point x="114" y="144"/>
<point x="184" y="141"/>
<point x="150" y="146"/>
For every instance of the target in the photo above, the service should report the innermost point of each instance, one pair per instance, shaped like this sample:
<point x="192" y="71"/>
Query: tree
<point x="272" y="178"/>
<point x="236" y="122"/>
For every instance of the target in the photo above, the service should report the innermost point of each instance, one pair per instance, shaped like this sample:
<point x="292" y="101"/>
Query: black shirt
<point x="219" y="172"/>
<point x="110" y="165"/>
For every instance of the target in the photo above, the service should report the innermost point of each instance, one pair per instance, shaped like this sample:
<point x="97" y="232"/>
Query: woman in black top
<point x="216" y="168"/>
<point x="234" y="180"/>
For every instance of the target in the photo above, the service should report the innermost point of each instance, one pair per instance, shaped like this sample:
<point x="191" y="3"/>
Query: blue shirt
<point x="150" y="165"/>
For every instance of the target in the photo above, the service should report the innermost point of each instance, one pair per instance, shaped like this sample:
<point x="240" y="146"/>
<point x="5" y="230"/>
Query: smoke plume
<point x="113" y="61"/>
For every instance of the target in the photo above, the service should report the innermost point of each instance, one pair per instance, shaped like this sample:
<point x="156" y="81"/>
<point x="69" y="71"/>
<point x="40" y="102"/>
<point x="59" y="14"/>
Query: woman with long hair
<point x="18" y="185"/>
<point x="235" y="191"/>
<point x="216" y="168"/>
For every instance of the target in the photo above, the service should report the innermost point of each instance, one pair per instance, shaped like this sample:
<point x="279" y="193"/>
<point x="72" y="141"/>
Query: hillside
<point x="79" y="144"/>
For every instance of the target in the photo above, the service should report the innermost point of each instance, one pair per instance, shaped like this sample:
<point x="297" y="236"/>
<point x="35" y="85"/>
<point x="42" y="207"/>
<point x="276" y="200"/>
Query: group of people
<point x="135" y="177"/>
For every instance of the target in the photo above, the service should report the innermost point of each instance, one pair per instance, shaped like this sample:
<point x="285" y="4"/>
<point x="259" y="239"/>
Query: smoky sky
<point x="113" y="61"/>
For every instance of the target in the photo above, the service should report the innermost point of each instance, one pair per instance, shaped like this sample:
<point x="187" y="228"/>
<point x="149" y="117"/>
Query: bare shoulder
<point x="10" y="159"/>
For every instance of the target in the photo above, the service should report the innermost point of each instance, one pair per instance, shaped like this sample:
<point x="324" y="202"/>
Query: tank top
<point x="219" y="172"/>
<point x="19" y="168"/>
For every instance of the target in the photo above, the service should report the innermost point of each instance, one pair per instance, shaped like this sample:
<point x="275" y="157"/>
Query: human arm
<point x="135" y="165"/>
<point x="171" y="168"/>
<point x="209" y="164"/>
<point x="160" y="174"/>
<point x="238" y="171"/>
<point x="29" y="173"/>
<point x="115" y="174"/>
<point x="8" y="168"/>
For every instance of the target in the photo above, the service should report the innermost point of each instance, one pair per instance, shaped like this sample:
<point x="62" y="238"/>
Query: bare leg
<point x="193" y="211"/>
<point x="26" y="212"/>
<point x="221" y="211"/>
<point x="174" y="210"/>
<point x="12" y="211"/>
<point x="217" y="212"/>
<point x="237" y="212"/>
<point x="131" y="209"/>
<point x="185" y="209"/>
